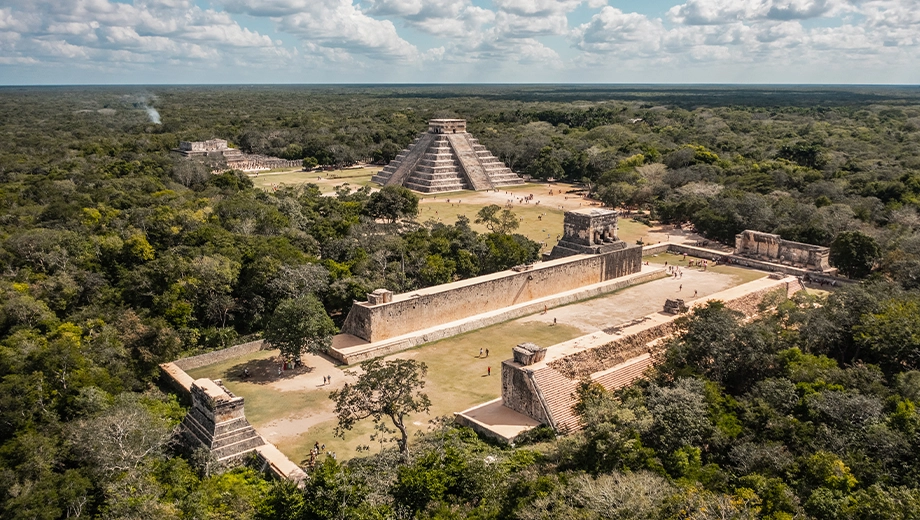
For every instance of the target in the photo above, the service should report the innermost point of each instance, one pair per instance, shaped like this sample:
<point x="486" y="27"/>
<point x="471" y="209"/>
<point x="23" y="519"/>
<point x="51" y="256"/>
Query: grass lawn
<point x="740" y="274"/>
<point x="539" y="223"/>
<point x="456" y="380"/>
<point x="329" y="179"/>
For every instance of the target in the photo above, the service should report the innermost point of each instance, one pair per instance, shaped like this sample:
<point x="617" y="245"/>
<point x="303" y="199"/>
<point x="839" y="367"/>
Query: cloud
<point x="104" y="33"/>
<point x="715" y="12"/>
<point x="612" y="30"/>
<point x="331" y="24"/>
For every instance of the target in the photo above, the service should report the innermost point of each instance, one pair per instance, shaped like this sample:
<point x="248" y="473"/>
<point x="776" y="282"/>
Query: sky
<point x="459" y="41"/>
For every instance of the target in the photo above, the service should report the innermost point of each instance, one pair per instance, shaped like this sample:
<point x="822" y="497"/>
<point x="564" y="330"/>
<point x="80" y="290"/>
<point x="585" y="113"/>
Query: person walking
<point x="681" y="287"/>
<point x="487" y="352"/>
<point x="480" y="352"/>
<point x="488" y="371"/>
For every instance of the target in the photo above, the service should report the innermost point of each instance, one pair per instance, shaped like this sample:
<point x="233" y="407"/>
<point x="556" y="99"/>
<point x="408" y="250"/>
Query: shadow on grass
<point x="263" y="371"/>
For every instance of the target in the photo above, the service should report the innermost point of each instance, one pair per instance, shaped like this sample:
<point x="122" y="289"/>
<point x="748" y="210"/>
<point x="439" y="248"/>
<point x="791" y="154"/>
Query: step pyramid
<point x="446" y="158"/>
<point x="216" y="421"/>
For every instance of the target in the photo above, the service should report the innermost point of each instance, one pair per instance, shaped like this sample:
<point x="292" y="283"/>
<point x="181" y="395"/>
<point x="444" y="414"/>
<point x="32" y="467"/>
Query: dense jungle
<point x="116" y="255"/>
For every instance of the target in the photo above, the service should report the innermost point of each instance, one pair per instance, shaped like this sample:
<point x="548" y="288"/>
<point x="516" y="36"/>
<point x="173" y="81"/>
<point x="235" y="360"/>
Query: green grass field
<point x="329" y="179"/>
<point x="539" y="223"/>
<point x="740" y="274"/>
<point x="456" y="380"/>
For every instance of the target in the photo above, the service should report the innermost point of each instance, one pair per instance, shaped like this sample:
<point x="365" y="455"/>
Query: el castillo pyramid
<point x="446" y="158"/>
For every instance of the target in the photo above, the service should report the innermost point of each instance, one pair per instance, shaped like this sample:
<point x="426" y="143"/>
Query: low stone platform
<point x="495" y="420"/>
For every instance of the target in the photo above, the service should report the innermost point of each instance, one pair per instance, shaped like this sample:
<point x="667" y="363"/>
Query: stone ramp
<point x="469" y="162"/>
<point x="405" y="166"/>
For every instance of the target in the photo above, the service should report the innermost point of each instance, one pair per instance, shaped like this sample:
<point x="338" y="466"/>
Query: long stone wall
<point x="582" y="364"/>
<point x="451" y="302"/>
<point x="209" y="358"/>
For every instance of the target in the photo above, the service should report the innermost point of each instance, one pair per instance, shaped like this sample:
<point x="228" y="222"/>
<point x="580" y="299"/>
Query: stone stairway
<point x="558" y="394"/>
<point x="437" y="170"/>
<point x="469" y="162"/>
<point x="446" y="158"/>
<point x="499" y="174"/>
<point x="401" y="167"/>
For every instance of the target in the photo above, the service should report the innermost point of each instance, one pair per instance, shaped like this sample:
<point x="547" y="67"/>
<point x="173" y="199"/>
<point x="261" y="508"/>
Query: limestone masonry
<point x="216" y="421"/>
<point x="772" y="248"/>
<point x="446" y="158"/>
<point x="588" y="231"/>
<point x="235" y="159"/>
<point x="386" y="315"/>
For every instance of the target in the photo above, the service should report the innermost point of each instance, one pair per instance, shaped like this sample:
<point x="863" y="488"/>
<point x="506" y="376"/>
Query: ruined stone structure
<point x="217" y="422"/>
<point x="588" y="231"/>
<point x="446" y="158"/>
<point x="772" y="248"/>
<point x="675" y="306"/>
<point x="201" y="148"/>
<point x="544" y="387"/>
<point x="387" y="316"/>
<point x="234" y="158"/>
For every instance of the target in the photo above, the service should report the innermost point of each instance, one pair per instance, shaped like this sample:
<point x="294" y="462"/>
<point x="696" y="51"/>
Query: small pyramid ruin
<point x="216" y="421"/>
<point x="446" y="158"/>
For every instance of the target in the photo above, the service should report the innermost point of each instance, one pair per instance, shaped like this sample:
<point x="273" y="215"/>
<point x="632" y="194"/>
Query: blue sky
<point x="459" y="41"/>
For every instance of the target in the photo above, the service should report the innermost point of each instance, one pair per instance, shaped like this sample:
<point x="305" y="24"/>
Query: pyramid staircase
<point x="444" y="162"/>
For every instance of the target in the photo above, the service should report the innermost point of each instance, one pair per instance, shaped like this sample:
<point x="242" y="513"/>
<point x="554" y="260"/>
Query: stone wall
<point x="217" y="422"/>
<point x="408" y="313"/>
<point x="521" y="394"/>
<point x="217" y="356"/>
<point x="582" y="364"/>
<point x="384" y="348"/>
<point x="772" y="248"/>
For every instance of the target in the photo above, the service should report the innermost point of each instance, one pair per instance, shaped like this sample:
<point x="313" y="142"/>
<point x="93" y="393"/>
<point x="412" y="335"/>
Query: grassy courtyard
<point x="456" y="380"/>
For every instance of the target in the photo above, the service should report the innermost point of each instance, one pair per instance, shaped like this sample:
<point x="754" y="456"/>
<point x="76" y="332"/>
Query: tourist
<point x="480" y="352"/>
<point x="554" y="321"/>
<point x="487" y="352"/>
<point x="488" y="371"/>
<point x="694" y="293"/>
<point x="681" y="287"/>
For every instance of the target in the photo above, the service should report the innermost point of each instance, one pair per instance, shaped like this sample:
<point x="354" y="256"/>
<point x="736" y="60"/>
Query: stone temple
<point x="589" y="231"/>
<point x="446" y="158"/>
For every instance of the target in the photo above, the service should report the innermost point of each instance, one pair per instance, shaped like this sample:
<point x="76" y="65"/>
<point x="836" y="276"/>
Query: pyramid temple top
<point x="446" y="126"/>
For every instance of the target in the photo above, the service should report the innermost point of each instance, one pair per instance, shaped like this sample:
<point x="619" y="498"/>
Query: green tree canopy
<point x="392" y="203"/>
<point x="854" y="253"/>
<point x="298" y="325"/>
<point x="385" y="389"/>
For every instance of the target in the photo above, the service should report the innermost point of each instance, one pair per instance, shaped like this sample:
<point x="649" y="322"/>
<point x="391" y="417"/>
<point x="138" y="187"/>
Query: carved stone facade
<point x="588" y="231"/>
<point x="446" y="158"/>
<point x="772" y="248"/>
<point x="232" y="158"/>
<point x="216" y="421"/>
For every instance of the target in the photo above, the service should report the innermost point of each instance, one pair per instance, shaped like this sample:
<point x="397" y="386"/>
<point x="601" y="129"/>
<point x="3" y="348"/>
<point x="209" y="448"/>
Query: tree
<point x="309" y="163"/>
<point x="392" y="203"/>
<point x="497" y="220"/>
<point x="854" y="253"/>
<point x="390" y="389"/>
<point x="300" y="324"/>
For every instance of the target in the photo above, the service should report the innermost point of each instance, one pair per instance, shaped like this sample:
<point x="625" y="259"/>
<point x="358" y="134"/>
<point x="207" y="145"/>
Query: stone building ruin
<point x="232" y="157"/>
<point x="772" y="248"/>
<point x="588" y="231"/>
<point x="216" y="421"/>
<point x="446" y="158"/>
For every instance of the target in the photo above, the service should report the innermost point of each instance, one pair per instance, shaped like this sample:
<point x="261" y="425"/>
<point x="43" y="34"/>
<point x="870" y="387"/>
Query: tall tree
<point x="384" y="390"/>
<point x="298" y="325"/>
<point x="392" y="203"/>
<point x="854" y="253"/>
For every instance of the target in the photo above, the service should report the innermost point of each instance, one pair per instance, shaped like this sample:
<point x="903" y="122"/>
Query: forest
<point x="117" y="255"/>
